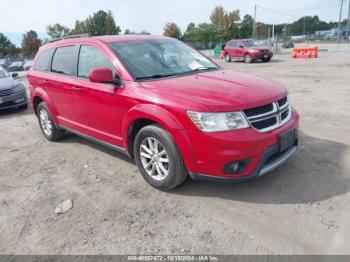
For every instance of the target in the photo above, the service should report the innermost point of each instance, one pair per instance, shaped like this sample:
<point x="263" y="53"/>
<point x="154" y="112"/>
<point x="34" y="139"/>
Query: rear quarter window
<point x="43" y="62"/>
<point x="64" y="60"/>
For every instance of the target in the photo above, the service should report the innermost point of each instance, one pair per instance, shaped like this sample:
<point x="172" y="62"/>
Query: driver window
<point x="90" y="57"/>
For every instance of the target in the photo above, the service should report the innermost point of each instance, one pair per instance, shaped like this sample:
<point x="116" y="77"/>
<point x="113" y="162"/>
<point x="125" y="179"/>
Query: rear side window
<point x="44" y="60"/>
<point x="65" y="60"/>
<point x="91" y="57"/>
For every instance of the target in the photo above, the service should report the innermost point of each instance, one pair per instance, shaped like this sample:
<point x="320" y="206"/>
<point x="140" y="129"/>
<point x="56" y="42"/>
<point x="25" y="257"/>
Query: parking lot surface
<point x="300" y="208"/>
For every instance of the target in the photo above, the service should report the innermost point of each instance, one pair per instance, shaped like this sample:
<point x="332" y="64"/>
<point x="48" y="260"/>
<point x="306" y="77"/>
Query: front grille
<point x="270" y="116"/>
<point x="258" y="110"/>
<point x="6" y="92"/>
<point x="282" y="101"/>
<point x="265" y="123"/>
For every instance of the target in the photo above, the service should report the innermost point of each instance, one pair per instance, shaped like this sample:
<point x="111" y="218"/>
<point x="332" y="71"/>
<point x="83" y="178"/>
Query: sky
<point x="19" y="16"/>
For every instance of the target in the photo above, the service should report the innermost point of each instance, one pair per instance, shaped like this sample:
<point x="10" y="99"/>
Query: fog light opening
<point x="236" y="167"/>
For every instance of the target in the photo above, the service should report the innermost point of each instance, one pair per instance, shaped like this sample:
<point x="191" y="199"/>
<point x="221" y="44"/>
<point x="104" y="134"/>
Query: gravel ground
<point x="300" y="208"/>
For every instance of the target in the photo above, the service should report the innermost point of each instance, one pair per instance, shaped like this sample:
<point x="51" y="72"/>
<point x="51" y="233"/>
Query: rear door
<point x="61" y="85"/>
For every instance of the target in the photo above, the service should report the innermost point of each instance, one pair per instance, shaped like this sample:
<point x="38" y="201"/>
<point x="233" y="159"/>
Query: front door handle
<point x="76" y="89"/>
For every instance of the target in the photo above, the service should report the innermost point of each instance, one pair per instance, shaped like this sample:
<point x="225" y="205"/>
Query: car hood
<point x="7" y="82"/>
<point x="219" y="90"/>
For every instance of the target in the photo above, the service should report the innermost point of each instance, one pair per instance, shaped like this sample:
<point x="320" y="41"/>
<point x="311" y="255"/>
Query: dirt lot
<point x="300" y="208"/>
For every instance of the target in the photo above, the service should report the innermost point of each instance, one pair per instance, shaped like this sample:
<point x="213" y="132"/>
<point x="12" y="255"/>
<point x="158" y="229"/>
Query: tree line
<point x="222" y="26"/>
<point x="225" y="25"/>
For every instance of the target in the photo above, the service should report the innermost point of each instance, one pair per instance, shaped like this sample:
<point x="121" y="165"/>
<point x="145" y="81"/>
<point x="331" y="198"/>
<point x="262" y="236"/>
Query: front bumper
<point x="256" y="56"/>
<point x="210" y="152"/>
<point x="13" y="101"/>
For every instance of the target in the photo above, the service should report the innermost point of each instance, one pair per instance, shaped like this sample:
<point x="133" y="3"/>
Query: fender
<point x="39" y="92"/>
<point x="167" y="120"/>
<point x="151" y="112"/>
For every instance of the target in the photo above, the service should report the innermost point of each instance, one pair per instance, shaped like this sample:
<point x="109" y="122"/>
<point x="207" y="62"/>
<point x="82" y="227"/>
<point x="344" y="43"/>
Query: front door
<point x="100" y="106"/>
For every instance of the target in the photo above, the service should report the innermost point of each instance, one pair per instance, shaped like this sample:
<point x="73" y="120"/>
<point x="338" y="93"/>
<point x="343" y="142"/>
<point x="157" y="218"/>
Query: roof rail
<point x="69" y="37"/>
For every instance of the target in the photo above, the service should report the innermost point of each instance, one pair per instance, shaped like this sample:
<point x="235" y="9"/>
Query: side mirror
<point x="14" y="74"/>
<point x="241" y="46"/>
<point x="101" y="75"/>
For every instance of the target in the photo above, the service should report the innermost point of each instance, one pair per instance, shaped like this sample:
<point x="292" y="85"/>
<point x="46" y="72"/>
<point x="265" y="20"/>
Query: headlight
<point x="18" y="88"/>
<point x="215" y="122"/>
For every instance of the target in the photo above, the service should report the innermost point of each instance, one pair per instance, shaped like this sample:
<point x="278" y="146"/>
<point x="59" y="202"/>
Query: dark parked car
<point x="27" y="65"/>
<point x="12" y="92"/>
<point x="288" y="44"/>
<point x="4" y="63"/>
<point x="16" y="66"/>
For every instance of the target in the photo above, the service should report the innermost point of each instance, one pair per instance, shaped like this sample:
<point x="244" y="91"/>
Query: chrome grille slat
<point x="267" y="121"/>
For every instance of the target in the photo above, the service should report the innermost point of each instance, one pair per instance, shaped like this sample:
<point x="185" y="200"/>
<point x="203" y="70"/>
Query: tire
<point x="228" y="58"/>
<point x="47" y="124"/>
<point x="24" y="106"/>
<point x="265" y="60"/>
<point x="154" y="174"/>
<point x="247" y="59"/>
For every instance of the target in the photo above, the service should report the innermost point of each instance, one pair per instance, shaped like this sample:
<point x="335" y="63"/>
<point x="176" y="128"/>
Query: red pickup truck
<point x="247" y="50"/>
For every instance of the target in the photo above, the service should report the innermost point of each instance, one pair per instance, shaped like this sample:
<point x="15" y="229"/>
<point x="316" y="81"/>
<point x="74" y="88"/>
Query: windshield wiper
<point x="156" y="76"/>
<point x="203" y="68"/>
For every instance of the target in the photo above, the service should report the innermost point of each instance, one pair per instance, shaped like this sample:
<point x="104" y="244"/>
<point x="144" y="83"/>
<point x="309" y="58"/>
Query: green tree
<point x="6" y="46"/>
<point x="30" y="43"/>
<point x="246" y="28"/>
<point x="57" y="30"/>
<point x="191" y="33"/>
<point x="172" y="30"/>
<point x="225" y="23"/>
<point x="100" y="23"/>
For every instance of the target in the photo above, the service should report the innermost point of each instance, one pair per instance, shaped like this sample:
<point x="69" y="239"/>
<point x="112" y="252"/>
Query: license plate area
<point x="287" y="139"/>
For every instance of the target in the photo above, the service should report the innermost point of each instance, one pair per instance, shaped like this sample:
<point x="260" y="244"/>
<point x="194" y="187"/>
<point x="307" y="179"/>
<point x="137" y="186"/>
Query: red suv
<point x="247" y="50"/>
<point x="166" y="105"/>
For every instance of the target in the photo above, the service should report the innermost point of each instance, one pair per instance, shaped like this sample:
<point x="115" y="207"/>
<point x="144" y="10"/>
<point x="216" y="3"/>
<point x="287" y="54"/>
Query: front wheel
<point x="158" y="158"/>
<point x="247" y="58"/>
<point x="266" y="59"/>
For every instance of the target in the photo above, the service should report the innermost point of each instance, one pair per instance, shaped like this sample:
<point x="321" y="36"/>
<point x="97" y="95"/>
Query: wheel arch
<point x="143" y="115"/>
<point x="40" y="96"/>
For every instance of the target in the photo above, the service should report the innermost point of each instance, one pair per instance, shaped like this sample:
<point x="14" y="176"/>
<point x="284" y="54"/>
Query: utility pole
<point x="340" y="13"/>
<point x="304" y="27"/>
<point x="348" y="24"/>
<point x="254" y="23"/>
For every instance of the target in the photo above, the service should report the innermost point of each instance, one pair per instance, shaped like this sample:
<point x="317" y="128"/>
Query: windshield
<point x="250" y="43"/>
<point x="150" y="59"/>
<point x="3" y="74"/>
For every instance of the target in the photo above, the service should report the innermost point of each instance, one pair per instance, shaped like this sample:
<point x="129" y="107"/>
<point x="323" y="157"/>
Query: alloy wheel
<point x="154" y="158"/>
<point x="45" y="122"/>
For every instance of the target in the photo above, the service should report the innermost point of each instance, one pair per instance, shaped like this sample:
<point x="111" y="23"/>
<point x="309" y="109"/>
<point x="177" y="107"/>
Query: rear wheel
<point x="247" y="58"/>
<point x="158" y="158"/>
<point x="47" y="125"/>
<point x="228" y="58"/>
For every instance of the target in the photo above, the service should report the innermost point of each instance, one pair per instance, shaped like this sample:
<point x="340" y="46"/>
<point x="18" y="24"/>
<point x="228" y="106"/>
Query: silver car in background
<point x="12" y="92"/>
